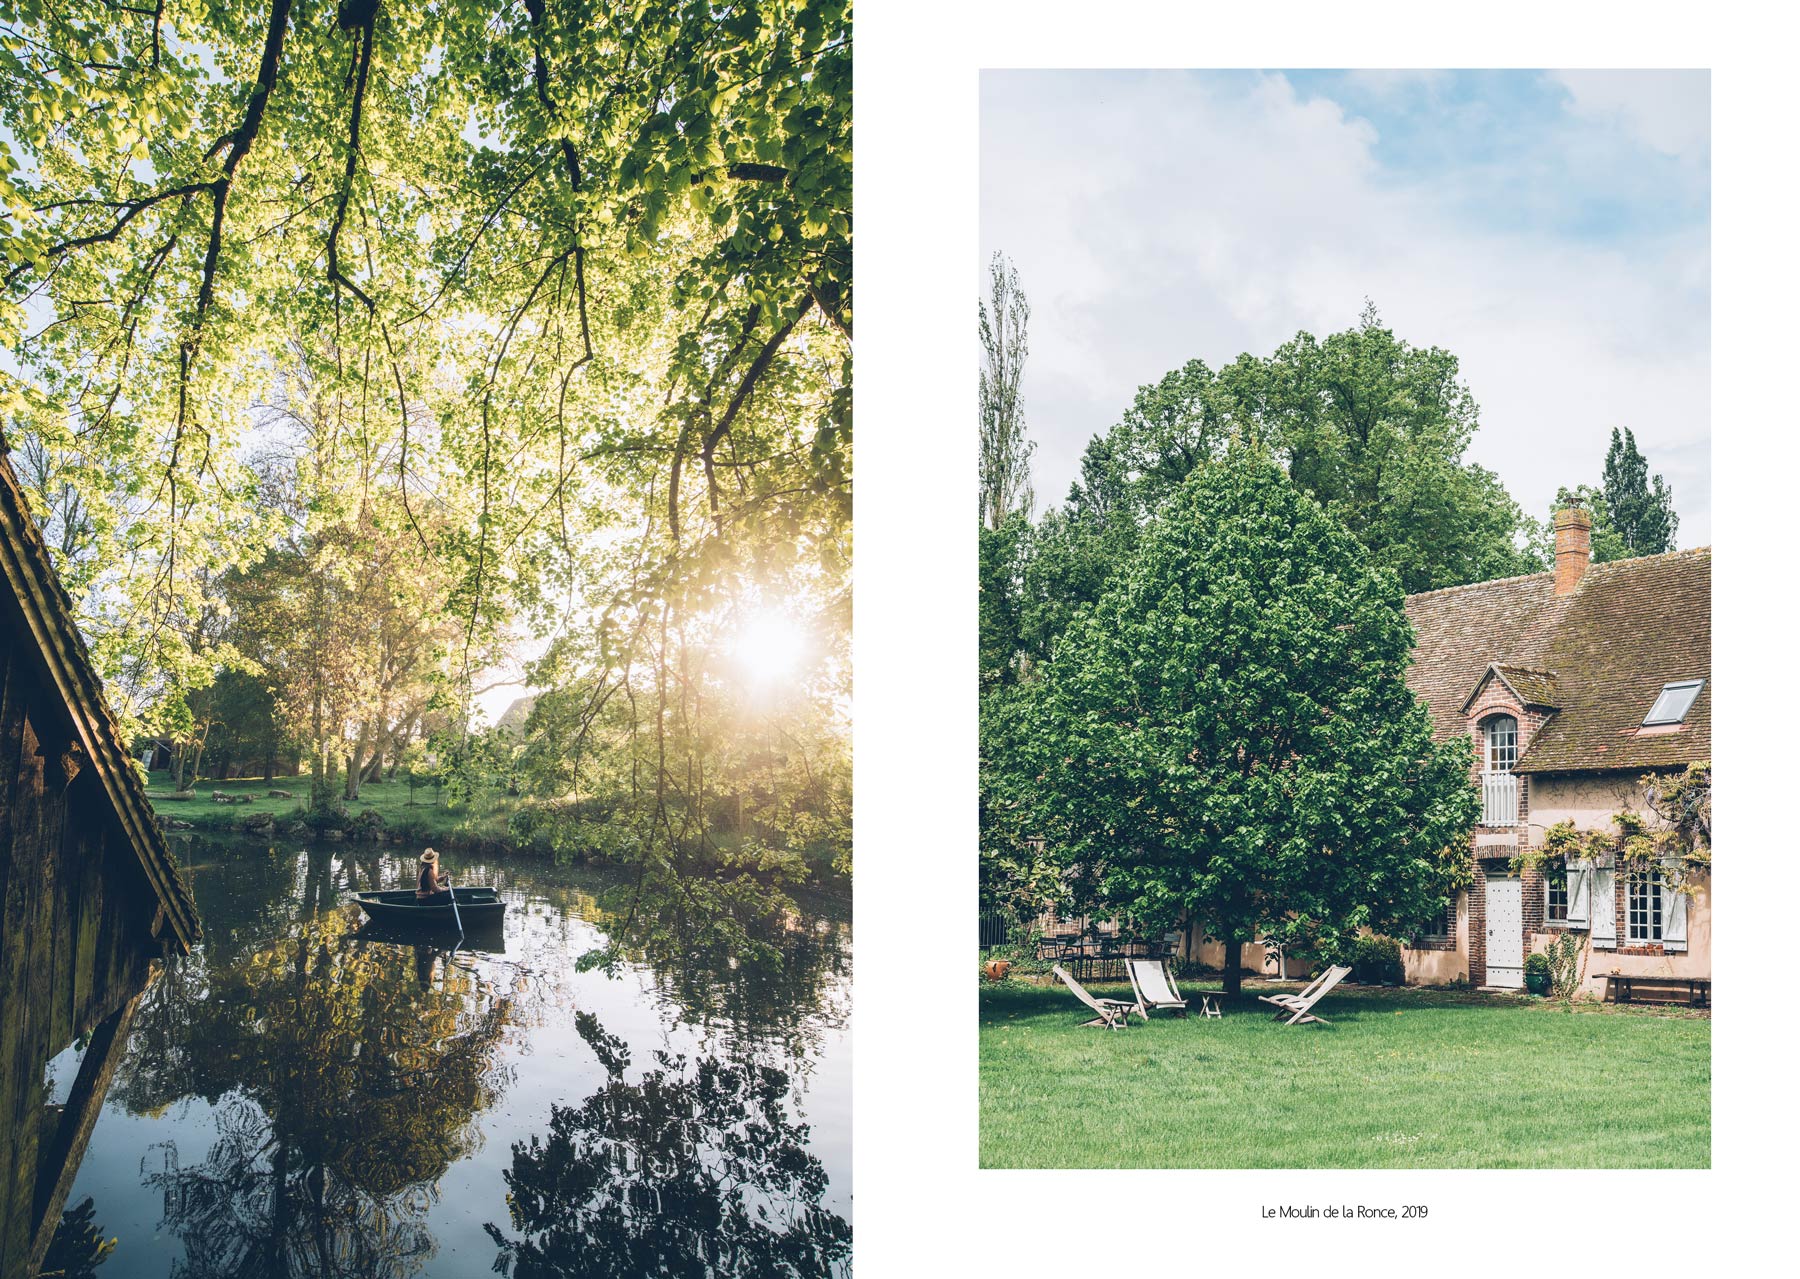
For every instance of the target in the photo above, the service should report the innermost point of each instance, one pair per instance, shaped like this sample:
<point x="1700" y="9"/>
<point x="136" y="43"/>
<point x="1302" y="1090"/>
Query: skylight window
<point x="1674" y="702"/>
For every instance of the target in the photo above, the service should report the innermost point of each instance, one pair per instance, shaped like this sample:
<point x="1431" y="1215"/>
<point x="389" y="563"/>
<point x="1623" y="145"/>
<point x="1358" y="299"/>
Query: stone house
<point x="1573" y="686"/>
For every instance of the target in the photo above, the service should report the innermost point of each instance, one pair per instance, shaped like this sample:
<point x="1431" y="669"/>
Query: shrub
<point x="1537" y="974"/>
<point x="1375" y="960"/>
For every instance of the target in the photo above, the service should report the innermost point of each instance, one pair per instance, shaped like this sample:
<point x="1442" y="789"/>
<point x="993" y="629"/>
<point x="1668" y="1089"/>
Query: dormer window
<point x="1499" y="788"/>
<point x="1502" y="736"/>
<point x="1674" y="702"/>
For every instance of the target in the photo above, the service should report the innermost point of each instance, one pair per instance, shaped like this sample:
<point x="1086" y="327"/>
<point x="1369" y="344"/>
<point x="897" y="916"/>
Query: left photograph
<point x="425" y="689"/>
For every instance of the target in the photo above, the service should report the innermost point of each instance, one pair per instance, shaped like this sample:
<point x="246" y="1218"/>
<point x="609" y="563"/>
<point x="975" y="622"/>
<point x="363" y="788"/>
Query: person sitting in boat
<point x="432" y="890"/>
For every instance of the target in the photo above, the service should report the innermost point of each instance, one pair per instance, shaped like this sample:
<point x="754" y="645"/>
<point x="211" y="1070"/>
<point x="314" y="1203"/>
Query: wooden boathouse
<point x="90" y="897"/>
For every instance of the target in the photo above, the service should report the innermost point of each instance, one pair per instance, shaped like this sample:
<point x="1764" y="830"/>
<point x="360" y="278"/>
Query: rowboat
<point x="479" y="905"/>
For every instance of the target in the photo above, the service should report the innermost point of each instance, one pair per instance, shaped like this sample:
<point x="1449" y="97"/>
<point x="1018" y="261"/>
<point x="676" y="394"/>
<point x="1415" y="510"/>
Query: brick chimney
<point x="1574" y="528"/>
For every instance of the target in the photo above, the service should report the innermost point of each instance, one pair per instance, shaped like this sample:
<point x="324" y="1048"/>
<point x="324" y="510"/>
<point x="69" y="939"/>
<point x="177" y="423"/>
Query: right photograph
<point x="1345" y="619"/>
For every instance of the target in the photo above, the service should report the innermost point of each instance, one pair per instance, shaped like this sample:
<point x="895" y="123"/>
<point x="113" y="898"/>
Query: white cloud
<point x="1155" y="219"/>
<point x="1668" y="110"/>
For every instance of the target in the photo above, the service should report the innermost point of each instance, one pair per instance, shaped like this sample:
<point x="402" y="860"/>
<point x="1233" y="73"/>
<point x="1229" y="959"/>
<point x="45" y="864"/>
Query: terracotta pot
<point x="996" y="969"/>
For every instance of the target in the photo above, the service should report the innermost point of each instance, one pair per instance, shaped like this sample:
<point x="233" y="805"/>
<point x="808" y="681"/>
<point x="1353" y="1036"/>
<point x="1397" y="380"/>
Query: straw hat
<point x="429" y="856"/>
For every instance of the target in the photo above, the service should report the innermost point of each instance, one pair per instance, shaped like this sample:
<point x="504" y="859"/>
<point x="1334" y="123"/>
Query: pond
<point x="602" y="1085"/>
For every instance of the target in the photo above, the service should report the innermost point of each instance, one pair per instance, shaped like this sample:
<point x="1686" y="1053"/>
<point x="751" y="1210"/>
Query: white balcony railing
<point x="1499" y="799"/>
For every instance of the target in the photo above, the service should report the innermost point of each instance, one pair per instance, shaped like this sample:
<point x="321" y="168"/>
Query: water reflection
<point x="695" y="1168"/>
<point x="78" y="1246"/>
<point x="312" y="1094"/>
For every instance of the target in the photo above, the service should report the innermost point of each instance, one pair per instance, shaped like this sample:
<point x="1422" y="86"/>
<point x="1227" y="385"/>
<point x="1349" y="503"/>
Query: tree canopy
<point x="1633" y="512"/>
<point x="1640" y="505"/>
<point x="1370" y="426"/>
<point x="356" y="346"/>
<point x="1228" y="734"/>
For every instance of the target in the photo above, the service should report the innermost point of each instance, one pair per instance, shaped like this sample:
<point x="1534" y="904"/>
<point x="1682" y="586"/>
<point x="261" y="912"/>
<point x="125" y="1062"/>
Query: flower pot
<point x="996" y="969"/>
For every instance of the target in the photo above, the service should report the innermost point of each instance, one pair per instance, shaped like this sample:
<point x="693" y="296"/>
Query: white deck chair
<point x="1294" y="997"/>
<point x="1111" y="1011"/>
<point x="1154" y="987"/>
<point x="1300" y="1006"/>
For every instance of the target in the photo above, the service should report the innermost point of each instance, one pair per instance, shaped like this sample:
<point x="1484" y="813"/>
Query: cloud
<point x="1159" y="217"/>
<point x="1668" y="110"/>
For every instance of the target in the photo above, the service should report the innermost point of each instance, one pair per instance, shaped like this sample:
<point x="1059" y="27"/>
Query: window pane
<point x="1674" y="702"/>
<point x="1644" y="908"/>
<point x="1502" y="743"/>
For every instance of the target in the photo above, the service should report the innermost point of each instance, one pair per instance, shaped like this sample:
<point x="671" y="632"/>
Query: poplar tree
<point x="1641" y="506"/>
<point x="1005" y="450"/>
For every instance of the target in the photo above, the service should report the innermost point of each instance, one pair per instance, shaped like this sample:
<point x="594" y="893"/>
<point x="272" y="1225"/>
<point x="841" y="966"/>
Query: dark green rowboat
<point x="401" y="906"/>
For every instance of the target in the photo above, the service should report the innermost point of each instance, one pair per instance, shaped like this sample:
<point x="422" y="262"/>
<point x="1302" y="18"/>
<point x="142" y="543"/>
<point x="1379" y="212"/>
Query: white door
<point x="1505" y="933"/>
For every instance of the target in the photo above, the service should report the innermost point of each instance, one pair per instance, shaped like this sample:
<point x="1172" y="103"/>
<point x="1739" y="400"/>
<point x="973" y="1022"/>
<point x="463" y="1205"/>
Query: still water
<point x="600" y="1086"/>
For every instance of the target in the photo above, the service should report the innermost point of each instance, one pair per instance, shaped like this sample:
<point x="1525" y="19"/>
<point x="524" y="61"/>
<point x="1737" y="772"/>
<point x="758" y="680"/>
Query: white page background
<point x="923" y="1205"/>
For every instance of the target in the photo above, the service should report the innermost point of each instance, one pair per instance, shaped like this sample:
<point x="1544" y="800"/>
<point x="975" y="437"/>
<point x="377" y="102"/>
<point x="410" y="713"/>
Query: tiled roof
<point x="1532" y="688"/>
<point x="1463" y="630"/>
<point x="1537" y="688"/>
<point x="1600" y="655"/>
<point x="48" y="616"/>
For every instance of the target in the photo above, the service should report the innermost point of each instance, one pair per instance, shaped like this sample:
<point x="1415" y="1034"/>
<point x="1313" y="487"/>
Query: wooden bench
<point x="1625" y="988"/>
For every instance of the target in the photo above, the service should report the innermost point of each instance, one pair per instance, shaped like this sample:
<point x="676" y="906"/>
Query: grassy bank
<point x="403" y="814"/>
<point x="1401" y="1079"/>
<point x="402" y="809"/>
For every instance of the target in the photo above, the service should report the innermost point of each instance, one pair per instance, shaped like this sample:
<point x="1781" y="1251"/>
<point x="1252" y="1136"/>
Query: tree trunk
<point x="1234" y="967"/>
<point x="353" y="766"/>
<point x="175" y="769"/>
<point x="269" y="764"/>
<point x="321" y="795"/>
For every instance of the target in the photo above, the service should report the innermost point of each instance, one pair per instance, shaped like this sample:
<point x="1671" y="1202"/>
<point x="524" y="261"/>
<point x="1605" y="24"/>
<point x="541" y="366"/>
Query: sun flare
<point x="770" y="647"/>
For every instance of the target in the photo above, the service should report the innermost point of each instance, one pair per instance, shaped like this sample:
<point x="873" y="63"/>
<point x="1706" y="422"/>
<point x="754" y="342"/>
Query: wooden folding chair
<point x="1154" y="986"/>
<point x="1111" y="1011"/>
<point x="1297" y="1009"/>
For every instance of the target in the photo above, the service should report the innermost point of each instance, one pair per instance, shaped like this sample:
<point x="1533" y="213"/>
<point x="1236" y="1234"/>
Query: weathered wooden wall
<point x="75" y="925"/>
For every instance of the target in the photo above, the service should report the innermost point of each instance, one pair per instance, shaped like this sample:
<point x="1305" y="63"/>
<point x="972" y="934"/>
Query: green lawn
<point x="1401" y="1079"/>
<point x="401" y="807"/>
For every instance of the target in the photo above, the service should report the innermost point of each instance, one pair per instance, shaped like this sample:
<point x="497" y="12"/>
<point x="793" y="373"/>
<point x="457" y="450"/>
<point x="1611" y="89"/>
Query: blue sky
<point x="1550" y="228"/>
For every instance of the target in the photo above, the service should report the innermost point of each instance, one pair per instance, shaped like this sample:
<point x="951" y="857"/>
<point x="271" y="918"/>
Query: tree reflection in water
<point x="732" y="957"/>
<point x="346" y="1078"/>
<point x="78" y="1247"/>
<point x="693" y="1169"/>
<point x="344" y="1088"/>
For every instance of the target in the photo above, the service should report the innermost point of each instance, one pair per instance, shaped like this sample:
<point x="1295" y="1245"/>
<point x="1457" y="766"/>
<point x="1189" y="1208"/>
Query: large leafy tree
<point x="1369" y="425"/>
<point x="538" y="254"/>
<point x="1227" y="736"/>
<point x="548" y="301"/>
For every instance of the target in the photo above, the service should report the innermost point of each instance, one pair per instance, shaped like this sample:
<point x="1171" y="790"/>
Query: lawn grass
<point x="1401" y="1079"/>
<point x="419" y="811"/>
